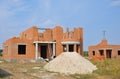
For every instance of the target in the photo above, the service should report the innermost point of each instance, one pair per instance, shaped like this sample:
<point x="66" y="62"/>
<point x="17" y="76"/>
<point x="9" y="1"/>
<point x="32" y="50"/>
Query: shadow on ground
<point x="4" y="73"/>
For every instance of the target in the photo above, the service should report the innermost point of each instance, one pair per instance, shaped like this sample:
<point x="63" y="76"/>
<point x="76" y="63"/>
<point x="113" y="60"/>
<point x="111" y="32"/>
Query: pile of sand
<point x="70" y="63"/>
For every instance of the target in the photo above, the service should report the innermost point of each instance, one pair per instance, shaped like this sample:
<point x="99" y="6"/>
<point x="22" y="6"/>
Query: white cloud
<point x="8" y="8"/>
<point x="19" y="14"/>
<point x="115" y="3"/>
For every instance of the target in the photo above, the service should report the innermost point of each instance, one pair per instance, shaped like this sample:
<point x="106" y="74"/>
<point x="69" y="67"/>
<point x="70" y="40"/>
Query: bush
<point x="85" y="53"/>
<point x="1" y="52"/>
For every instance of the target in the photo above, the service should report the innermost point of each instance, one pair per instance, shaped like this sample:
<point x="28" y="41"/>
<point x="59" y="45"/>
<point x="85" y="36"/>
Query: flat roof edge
<point x="44" y="42"/>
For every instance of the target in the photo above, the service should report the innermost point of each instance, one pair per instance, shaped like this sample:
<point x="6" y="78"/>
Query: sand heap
<point x="70" y="63"/>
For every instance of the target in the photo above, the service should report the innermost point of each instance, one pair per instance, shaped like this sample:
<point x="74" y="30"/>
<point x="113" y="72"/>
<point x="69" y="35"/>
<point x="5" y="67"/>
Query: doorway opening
<point x="101" y="52"/>
<point x="71" y="48"/>
<point x="108" y="53"/>
<point x="44" y="51"/>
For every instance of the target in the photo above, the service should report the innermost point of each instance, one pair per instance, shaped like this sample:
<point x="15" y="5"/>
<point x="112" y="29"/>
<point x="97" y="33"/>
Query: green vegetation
<point x="85" y="53"/>
<point x="108" y="67"/>
<point x="1" y="52"/>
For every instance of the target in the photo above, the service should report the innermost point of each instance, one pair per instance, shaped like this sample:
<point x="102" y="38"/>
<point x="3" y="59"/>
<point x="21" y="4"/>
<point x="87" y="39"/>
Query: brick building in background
<point x="103" y="50"/>
<point x="34" y="43"/>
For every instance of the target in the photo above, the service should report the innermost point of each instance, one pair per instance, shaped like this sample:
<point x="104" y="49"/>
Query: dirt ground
<point x="107" y="69"/>
<point x="25" y="70"/>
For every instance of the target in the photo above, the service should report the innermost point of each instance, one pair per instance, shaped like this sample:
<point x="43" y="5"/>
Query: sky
<point x="94" y="16"/>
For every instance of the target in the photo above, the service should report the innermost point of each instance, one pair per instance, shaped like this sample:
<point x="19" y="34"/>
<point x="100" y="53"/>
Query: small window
<point x="21" y="49"/>
<point x="93" y="52"/>
<point x="118" y="52"/>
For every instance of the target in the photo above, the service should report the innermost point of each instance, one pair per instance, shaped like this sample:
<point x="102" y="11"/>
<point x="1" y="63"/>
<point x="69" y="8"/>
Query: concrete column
<point x="75" y="49"/>
<point x="67" y="47"/>
<point x="53" y="50"/>
<point x="36" y="54"/>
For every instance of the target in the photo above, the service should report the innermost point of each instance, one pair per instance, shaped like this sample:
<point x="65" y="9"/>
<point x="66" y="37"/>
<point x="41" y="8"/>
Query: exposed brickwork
<point x="103" y="50"/>
<point x="32" y="34"/>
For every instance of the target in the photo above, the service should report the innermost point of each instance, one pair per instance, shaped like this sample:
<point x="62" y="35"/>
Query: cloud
<point x="41" y="14"/>
<point x="9" y="19"/>
<point x="115" y="3"/>
<point x="17" y="15"/>
<point x="11" y="7"/>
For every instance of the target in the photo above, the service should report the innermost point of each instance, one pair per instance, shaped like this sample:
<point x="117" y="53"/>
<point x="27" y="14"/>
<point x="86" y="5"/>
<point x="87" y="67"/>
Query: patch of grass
<point x="109" y="67"/>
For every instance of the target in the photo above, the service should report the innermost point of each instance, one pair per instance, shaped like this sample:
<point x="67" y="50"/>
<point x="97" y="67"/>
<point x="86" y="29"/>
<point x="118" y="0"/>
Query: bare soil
<point x="25" y="70"/>
<point x="107" y="69"/>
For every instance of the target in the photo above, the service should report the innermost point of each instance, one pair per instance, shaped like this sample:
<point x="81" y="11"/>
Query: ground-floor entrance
<point x="71" y="48"/>
<point x="43" y="51"/>
<point x="108" y="53"/>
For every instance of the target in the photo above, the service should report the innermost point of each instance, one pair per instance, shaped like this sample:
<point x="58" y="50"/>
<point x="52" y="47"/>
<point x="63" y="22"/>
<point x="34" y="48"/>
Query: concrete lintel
<point x="105" y="48"/>
<point x="51" y="42"/>
<point x="21" y="43"/>
<point x="70" y="42"/>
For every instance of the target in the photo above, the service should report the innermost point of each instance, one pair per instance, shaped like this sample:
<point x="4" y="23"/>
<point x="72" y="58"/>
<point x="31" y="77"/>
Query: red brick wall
<point x="30" y="35"/>
<point x="77" y="36"/>
<point x="48" y="35"/>
<point x="58" y="36"/>
<point x="103" y="46"/>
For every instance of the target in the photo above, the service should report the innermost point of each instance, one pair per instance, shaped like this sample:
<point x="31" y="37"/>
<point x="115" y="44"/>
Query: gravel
<point x="70" y="63"/>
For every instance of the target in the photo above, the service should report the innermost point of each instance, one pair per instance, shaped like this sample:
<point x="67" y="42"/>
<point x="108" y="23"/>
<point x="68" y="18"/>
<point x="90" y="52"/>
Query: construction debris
<point x="70" y="63"/>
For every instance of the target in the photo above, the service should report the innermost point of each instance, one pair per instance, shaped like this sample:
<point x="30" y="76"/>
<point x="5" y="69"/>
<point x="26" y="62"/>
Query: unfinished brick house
<point x="34" y="43"/>
<point x="103" y="50"/>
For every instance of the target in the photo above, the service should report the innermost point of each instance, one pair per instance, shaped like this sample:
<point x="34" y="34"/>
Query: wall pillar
<point x="79" y="49"/>
<point x="53" y="50"/>
<point x="36" y="54"/>
<point x="67" y="47"/>
<point x="105" y="53"/>
<point x="75" y="49"/>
